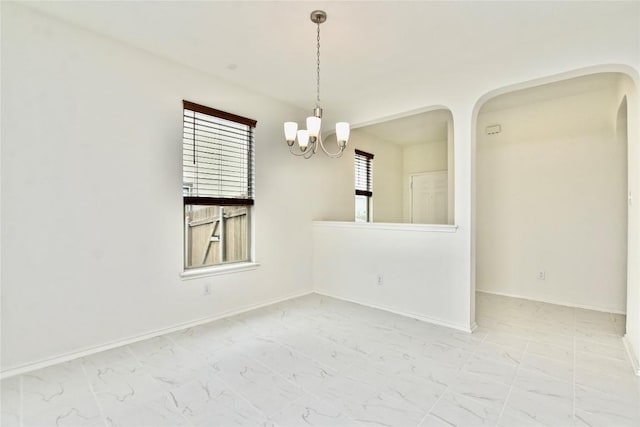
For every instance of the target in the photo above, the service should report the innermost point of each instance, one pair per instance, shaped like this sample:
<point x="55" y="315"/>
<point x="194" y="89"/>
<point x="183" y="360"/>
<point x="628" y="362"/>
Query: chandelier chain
<point x="318" y="70"/>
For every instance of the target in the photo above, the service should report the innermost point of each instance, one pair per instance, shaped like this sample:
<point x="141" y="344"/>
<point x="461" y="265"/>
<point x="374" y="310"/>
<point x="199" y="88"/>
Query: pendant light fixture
<point x="310" y="138"/>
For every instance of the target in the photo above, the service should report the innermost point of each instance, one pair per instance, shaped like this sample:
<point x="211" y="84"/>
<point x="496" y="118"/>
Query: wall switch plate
<point x="542" y="275"/>
<point x="207" y="289"/>
<point x="380" y="279"/>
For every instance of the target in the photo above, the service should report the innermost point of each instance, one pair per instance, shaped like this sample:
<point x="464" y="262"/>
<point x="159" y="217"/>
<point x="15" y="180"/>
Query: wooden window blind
<point x="218" y="157"/>
<point x="364" y="173"/>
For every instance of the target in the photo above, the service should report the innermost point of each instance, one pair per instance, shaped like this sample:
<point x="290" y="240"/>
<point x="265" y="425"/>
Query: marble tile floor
<point x="320" y="361"/>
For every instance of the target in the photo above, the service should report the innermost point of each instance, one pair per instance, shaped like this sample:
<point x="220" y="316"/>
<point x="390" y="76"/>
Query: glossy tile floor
<point x="319" y="361"/>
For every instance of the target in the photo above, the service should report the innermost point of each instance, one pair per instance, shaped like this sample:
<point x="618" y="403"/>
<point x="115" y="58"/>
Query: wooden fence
<point x="215" y="235"/>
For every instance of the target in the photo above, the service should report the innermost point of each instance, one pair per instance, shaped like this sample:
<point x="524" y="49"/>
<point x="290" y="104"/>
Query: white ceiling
<point x="377" y="57"/>
<point x="564" y="88"/>
<point x="430" y="126"/>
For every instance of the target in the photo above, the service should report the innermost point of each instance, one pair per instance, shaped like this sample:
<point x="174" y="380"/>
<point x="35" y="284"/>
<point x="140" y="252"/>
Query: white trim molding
<point x="474" y="326"/>
<point x="427" y="228"/>
<point x="631" y="355"/>
<point x="43" y="363"/>
<point x="216" y="270"/>
<point x="548" y="301"/>
<point x="422" y="318"/>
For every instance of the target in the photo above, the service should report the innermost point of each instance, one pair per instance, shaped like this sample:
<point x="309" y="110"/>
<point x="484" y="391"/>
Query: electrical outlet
<point x="542" y="275"/>
<point x="207" y="289"/>
<point x="380" y="279"/>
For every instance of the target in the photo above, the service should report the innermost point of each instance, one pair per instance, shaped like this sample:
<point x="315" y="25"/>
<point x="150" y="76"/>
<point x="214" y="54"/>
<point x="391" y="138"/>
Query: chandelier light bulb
<point x="303" y="138"/>
<point x="342" y="132"/>
<point x="313" y="126"/>
<point x="290" y="129"/>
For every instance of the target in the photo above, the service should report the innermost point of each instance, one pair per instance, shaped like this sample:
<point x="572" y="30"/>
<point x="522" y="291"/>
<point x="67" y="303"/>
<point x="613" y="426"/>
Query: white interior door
<point x="429" y="198"/>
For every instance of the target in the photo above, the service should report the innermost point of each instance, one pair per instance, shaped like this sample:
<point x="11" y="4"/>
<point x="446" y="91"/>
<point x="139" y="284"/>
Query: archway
<point x="618" y="132"/>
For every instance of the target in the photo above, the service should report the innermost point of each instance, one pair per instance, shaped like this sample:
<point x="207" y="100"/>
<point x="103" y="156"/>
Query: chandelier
<point x="310" y="138"/>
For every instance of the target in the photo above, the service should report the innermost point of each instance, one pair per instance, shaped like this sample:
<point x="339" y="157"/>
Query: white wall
<point x="551" y="196"/>
<point x="91" y="193"/>
<point x="425" y="269"/>
<point x="392" y="166"/>
<point x="421" y="276"/>
<point x="430" y="156"/>
<point x="628" y="88"/>
<point x="387" y="175"/>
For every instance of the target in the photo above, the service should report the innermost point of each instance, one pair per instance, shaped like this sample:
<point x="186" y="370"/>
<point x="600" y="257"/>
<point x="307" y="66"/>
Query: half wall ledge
<point x="427" y="228"/>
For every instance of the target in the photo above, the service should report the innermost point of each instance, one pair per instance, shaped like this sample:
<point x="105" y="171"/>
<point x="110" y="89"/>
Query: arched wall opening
<point x="584" y="110"/>
<point x="413" y="166"/>
<point x="416" y="142"/>
<point x="622" y="139"/>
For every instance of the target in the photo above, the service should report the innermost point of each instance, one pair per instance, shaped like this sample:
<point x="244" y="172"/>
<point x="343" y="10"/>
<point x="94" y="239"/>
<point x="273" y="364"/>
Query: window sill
<point x="430" y="228"/>
<point x="218" y="270"/>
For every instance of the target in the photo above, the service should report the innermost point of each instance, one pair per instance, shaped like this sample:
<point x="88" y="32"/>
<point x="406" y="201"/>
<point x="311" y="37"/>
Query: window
<point x="218" y="186"/>
<point x="364" y="185"/>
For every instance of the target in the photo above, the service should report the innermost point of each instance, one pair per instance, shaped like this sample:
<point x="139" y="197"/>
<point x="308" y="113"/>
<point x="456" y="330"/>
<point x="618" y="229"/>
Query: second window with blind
<point x="364" y="186"/>
<point x="218" y="186"/>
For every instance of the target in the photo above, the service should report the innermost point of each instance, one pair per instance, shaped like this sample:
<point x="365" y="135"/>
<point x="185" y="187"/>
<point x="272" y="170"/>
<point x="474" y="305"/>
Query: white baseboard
<point x="474" y="326"/>
<point x="549" y="301"/>
<point x="43" y="363"/>
<point x="402" y="313"/>
<point x="631" y="355"/>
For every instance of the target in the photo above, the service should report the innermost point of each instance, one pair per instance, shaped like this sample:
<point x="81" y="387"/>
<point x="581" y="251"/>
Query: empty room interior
<point x="279" y="213"/>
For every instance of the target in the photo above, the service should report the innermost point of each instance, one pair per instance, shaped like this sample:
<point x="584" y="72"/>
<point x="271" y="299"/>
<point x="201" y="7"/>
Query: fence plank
<point x="201" y="225"/>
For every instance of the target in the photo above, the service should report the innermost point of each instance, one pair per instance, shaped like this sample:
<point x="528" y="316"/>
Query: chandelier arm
<point x="309" y="154"/>
<point x="306" y="153"/>
<point x="332" y="155"/>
